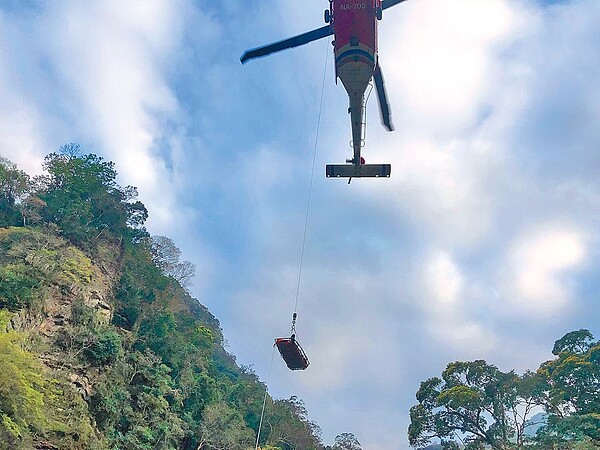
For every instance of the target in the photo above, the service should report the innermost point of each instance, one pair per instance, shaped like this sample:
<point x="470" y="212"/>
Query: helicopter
<point x="354" y="26"/>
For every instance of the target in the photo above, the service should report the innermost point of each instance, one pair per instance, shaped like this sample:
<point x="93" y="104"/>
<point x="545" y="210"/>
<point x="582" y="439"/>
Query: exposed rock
<point x="44" y="445"/>
<point x="82" y="383"/>
<point x="93" y="285"/>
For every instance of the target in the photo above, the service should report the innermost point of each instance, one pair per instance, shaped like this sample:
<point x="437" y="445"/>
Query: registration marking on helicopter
<point x="353" y="6"/>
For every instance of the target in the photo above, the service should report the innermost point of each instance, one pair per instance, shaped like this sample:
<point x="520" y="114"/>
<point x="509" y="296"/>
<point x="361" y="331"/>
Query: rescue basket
<point x="292" y="353"/>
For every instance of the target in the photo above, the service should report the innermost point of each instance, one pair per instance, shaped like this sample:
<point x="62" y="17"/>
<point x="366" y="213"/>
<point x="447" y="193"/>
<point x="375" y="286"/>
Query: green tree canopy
<point x="577" y="342"/>
<point x="346" y="441"/>
<point x="473" y="404"/>
<point x="223" y="428"/>
<point x="83" y="198"/>
<point x="476" y="405"/>
<point x="572" y="395"/>
<point x="15" y="185"/>
<point x="288" y="426"/>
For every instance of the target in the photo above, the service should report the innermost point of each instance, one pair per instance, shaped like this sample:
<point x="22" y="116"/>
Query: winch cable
<point x="310" y="189"/>
<point x="262" y="414"/>
<point x="312" y="177"/>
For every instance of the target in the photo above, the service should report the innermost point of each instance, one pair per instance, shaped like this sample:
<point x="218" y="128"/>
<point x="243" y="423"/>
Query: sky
<point x="483" y="244"/>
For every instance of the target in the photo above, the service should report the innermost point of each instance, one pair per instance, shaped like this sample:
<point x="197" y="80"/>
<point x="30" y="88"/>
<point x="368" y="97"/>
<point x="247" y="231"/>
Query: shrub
<point x="18" y="284"/>
<point x="105" y="348"/>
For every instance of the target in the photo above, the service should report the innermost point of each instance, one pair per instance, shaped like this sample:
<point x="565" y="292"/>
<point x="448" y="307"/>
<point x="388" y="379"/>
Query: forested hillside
<point x="101" y="346"/>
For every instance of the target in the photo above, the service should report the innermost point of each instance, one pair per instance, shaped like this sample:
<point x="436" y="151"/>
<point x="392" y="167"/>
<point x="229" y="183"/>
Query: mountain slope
<point x="102" y="345"/>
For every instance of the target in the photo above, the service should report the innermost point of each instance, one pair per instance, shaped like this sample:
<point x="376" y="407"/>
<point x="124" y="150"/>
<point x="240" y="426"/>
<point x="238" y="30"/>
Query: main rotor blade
<point x="384" y="106"/>
<point x="295" y="41"/>
<point x="385" y="4"/>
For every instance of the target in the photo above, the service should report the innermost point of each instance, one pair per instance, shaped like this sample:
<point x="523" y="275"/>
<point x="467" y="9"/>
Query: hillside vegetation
<point x="101" y="346"/>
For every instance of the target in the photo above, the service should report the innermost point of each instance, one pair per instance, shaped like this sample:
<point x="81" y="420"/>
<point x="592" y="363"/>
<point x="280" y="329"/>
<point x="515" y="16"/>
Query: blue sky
<point x="483" y="244"/>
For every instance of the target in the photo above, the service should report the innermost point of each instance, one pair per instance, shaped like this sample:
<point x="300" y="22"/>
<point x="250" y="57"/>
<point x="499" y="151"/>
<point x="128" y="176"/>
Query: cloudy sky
<point x="483" y="244"/>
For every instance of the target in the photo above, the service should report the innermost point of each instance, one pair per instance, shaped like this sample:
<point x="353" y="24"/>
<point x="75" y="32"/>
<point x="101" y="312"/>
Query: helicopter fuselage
<point x="354" y="24"/>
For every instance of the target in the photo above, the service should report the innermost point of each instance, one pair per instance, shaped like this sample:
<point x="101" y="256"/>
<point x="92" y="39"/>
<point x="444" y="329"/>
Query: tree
<point x="104" y="347"/>
<point x="289" y="426"/>
<point x="346" y="441"/>
<point x="575" y="342"/>
<point x="131" y="405"/>
<point x="18" y="285"/>
<point x="166" y="255"/>
<point x="139" y="285"/>
<point x="14" y="188"/>
<point x="473" y="404"/>
<point x="572" y="394"/>
<point x="83" y="198"/>
<point x="222" y="428"/>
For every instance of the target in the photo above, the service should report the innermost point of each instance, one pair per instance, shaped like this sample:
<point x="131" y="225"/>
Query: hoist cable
<point x="312" y="177"/>
<point x="262" y="414"/>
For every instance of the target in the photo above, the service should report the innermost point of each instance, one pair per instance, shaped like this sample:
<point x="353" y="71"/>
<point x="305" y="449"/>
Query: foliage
<point x="223" y="428"/>
<point x="140" y="284"/>
<point x="14" y="187"/>
<point x="575" y="342"/>
<point x="104" y="348"/>
<point x="289" y="428"/>
<point x="346" y="441"/>
<point x="36" y="260"/>
<point x="166" y="256"/>
<point x="133" y="404"/>
<point x="32" y="405"/>
<point x="571" y="396"/>
<point x="18" y="286"/>
<point x="476" y="405"/>
<point x="82" y="197"/>
<point x="22" y="391"/>
<point x="158" y="373"/>
<point x="475" y="399"/>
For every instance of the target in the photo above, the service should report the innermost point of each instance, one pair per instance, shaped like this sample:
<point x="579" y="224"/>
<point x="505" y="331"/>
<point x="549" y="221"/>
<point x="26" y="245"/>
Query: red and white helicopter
<point x="354" y="26"/>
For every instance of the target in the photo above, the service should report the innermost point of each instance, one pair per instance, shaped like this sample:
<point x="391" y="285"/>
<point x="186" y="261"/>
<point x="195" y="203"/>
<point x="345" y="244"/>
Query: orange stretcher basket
<point x="292" y="353"/>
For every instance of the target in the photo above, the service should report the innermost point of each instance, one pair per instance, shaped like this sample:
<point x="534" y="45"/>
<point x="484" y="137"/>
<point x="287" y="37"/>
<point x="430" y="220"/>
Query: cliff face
<point x="46" y="283"/>
<point x="63" y="275"/>
<point x="65" y="281"/>
<point x="58" y="274"/>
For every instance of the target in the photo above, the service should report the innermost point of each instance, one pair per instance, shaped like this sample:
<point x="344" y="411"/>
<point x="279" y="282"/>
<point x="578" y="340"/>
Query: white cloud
<point x="444" y="187"/>
<point x="440" y="55"/>
<point x="538" y="268"/>
<point x="444" y="284"/>
<point x="444" y="63"/>
<point x="102" y="73"/>
<point x="19" y="140"/>
<point x="448" y="305"/>
<point x="111" y="58"/>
